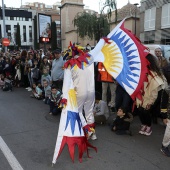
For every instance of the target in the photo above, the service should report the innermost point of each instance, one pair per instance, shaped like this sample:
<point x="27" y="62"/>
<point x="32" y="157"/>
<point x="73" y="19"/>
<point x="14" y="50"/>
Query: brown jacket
<point x="151" y="89"/>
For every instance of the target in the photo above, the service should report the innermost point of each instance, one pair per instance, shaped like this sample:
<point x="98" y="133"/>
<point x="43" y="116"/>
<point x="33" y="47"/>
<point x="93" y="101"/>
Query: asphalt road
<point x="30" y="133"/>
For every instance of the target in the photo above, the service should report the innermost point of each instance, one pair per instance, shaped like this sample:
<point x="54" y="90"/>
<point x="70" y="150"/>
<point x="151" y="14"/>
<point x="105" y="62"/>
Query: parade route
<point x="30" y="136"/>
<point x="15" y="165"/>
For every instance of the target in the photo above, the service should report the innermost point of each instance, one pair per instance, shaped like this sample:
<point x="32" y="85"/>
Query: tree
<point x="18" y="37"/>
<point x="54" y="36"/>
<point x="36" y="45"/>
<point x="112" y="5"/>
<point x="91" y="26"/>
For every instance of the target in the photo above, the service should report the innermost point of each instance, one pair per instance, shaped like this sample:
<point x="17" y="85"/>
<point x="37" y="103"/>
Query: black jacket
<point x="121" y="124"/>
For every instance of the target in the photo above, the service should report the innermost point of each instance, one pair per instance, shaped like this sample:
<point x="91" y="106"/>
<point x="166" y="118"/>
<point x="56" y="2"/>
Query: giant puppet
<point x="124" y="59"/>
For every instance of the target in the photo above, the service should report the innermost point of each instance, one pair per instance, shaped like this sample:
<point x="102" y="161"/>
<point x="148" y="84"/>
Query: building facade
<point x="69" y="9"/>
<point x="24" y="19"/>
<point x="155" y="21"/>
<point x="132" y="15"/>
<point x="52" y="10"/>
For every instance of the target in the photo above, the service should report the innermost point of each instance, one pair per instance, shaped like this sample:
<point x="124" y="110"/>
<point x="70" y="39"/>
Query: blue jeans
<point x="54" y="109"/>
<point x="30" y="79"/>
<point x="122" y="99"/>
<point x="47" y="100"/>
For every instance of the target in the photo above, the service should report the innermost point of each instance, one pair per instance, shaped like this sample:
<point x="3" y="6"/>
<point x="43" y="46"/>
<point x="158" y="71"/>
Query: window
<point x="41" y="6"/>
<point x="7" y="18"/>
<point x="30" y="33"/>
<point x="165" y="21"/>
<point x="26" y="19"/>
<point x="11" y="18"/>
<point x="149" y="37"/>
<point x="36" y="5"/>
<point x="0" y="32"/>
<point x="24" y="34"/>
<point x="15" y="31"/>
<point x="150" y="16"/>
<point x="8" y="30"/>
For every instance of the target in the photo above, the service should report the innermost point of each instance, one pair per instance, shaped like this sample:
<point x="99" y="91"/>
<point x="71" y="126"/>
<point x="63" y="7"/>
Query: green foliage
<point x="91" y="26"/>
<point x="112" y="5"/>
<point x="54" y="36"/>
<point x="18" y="36"/>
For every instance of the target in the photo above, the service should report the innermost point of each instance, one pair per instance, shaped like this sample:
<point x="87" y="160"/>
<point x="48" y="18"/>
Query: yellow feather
<point x="112" y="57"/>
<point x="72" y="98"/>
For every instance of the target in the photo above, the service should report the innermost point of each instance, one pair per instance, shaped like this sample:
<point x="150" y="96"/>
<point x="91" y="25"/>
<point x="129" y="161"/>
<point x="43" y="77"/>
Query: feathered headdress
<point x="75" y="49"/>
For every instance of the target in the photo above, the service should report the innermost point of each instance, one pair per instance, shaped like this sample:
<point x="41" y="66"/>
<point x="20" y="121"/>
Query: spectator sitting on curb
<point x="47" y="91"/>
<point x="100" y="111"/>
<point x="54" y="101"/>
<point x="36" y="92"/>
<point x="121" y="124"/>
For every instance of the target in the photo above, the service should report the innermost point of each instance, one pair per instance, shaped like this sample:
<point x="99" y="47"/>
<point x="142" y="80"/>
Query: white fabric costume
<point x="83" y="81"/>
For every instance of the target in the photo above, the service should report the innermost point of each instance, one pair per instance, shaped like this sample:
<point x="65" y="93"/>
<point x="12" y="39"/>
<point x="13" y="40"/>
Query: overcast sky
<point x="93" y="4"/>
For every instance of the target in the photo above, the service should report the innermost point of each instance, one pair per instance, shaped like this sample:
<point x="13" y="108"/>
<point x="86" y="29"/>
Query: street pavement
<point x="30" y="134"/>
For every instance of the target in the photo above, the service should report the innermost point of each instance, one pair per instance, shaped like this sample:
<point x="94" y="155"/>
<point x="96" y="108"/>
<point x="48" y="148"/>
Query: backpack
<point x="35" y="73"/>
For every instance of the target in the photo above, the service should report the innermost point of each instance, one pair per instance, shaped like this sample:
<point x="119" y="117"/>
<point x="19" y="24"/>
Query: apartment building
<point x="155" y="21"/>
<point x="24" y="18"/>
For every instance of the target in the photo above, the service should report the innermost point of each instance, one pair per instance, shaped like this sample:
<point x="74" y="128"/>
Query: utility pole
<point x="3" y="13"/>
<point x="136" y="4"/>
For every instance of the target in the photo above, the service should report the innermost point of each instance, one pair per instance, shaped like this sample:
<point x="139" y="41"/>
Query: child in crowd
<point x="47" y="91"/>
<point x="7" y="84"/>
<point x="54" y="100"/>
<point x="46" y="76"/>
<point x="35" y="73"/>
<point x="17" y="75"/>
<point x="36" y="91"/>
<point x="121" y="124"/>
<point x="100" y="111"/>
<point x="2" y="80"/>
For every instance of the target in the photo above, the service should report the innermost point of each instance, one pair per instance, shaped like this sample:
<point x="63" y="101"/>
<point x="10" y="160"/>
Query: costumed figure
<point x="78" y="95"/>
<point x="123" y="56"/>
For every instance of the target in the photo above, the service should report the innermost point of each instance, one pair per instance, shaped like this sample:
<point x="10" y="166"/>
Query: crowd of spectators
<point x="42" y="75"/>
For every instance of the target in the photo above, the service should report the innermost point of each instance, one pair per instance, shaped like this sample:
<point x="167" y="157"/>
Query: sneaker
<point x="27" y="88"/>
<point x="89" y="134"/>
<point x="50" y="113"/>
<point x="142" y="130"/>
<point x="32" y="96"/>
<point x="148" y="131"/>
<point x="165" y="151"/>
<point x="93" y="136"/>
<point x="30" y="89"/>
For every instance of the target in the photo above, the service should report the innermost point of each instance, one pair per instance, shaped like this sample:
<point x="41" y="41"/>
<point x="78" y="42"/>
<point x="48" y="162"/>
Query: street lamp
<point x="3" y="12"/>
<point x="136" y="4"/>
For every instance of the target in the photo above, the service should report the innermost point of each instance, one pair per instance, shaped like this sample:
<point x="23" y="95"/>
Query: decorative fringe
<point x="82" y="144"/>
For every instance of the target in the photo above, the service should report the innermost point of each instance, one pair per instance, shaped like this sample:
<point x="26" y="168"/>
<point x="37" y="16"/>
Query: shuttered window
<point x="165" y="20"/>
<point x="150" y="16"/>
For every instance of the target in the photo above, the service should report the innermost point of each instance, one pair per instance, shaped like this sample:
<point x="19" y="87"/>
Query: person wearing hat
<point x="162" y="62"/>
<point x="57" y="72"/>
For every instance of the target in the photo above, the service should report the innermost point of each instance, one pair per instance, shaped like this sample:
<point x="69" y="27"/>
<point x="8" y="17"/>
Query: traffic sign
<point x="5" y="42"/>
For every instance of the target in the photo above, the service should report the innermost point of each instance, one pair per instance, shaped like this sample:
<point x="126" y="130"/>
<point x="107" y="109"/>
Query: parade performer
<point x="123" y="57"/>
